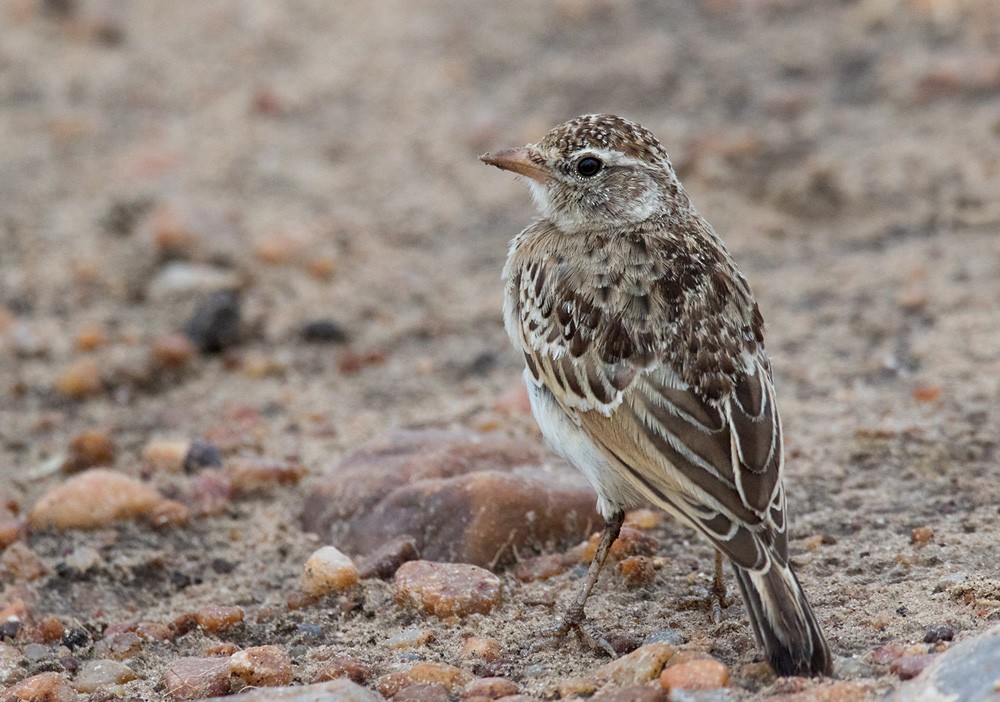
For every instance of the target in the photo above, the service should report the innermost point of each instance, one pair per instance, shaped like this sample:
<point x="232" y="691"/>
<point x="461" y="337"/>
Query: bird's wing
<point x="714" y="458"/>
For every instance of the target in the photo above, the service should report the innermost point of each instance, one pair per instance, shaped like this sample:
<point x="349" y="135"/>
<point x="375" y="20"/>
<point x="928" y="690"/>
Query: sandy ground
<point x="849" y="154"/>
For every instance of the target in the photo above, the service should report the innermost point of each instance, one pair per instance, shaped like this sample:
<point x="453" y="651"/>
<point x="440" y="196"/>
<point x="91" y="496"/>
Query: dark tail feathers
<point x="783" y="622"/>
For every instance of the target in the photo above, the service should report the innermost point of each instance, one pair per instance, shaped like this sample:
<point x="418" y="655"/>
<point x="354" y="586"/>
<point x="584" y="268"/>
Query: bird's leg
<point x="574" y="617"/>
<point x="718" y="598"/>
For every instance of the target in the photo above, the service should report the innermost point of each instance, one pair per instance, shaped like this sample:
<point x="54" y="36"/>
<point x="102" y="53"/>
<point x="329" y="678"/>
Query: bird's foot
<point x="575" y="620"/>
<point x="718" y="598"/>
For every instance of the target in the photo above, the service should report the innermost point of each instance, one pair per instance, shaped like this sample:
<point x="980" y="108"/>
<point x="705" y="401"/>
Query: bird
<point x="645" y="365"/>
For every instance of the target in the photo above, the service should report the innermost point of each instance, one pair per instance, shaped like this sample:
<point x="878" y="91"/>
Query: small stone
<point x="49" y="629"/>
<point x="480" y="647"/>
<point x="939" y="633"/>
<point x="423" y="692"/>
<point x="321" y="267"/>
<point x="674" y="637"/>
<point x="209" y="494"/>
<point x="328" y="570"/>
<point x="637" y="570"/>
<point x="215" y="618"/>
<point x="94" y="499"/>
<point x="44" y="687"/>
<point x="640" y="666"/>
<point x="848" y="691"/>
<point x="19" y="563"/>
<point x="411" y="637"/>
<point x="10" y="664"/>
<point x="90" y="339"/>
<point x="697" y="674"/>
<point x="194" y="678"/>
<point x="887" y="654"/>
<point x="250" y="475"/>
<point x="10" y="628"/>
<point x="215" y="323"/>
<point x="330" y="691"/>
<point x="631" y="693"/>
<point x="97" y="674"/>
<point x="921" y="536"/>
<point x="343" y="667"/>
<point x="223" y="648"/>
<point x="491" y="688"/>
<point x="448" y="676"/>
<point x="79" y="380"/>
<point x="120" y="645"/>
<point x="75" y="638"/>
<point x="540" y="567"/>
<point x="908" y="667"/>
<point x="179" y="280"/>
<point x="172" y="352"/>
<point x="12" y="529"/>
<point x="324" y="331"/>
<point x="89" y="449"/>
<point x="384" y="561"/>
<point x="262" y="666"/>
<point x="202" y="454"/>
<point x="447" y="589"/>
<point x="632" y="542"/>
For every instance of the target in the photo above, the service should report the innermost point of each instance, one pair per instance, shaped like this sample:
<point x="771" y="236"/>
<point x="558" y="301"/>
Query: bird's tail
<point x="783" y="622"/>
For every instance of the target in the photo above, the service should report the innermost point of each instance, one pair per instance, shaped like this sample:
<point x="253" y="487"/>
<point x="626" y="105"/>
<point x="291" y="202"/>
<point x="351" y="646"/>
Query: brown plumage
<point x="645" y="363"/>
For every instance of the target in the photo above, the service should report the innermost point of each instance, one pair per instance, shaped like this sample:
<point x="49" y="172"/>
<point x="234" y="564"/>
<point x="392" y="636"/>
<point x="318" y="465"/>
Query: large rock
<point x="966" y="671"/>
<point x="461" y="497"/>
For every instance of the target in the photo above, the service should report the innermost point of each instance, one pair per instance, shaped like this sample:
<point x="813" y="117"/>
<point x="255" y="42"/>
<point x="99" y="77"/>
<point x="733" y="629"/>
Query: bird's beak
<point x="517" y="161"/>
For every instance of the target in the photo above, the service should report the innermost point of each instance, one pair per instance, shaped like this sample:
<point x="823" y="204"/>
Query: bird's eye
<point x="588" y="166"/>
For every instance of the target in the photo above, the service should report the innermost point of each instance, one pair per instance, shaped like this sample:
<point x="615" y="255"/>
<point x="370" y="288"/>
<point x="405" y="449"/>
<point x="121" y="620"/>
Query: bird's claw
<point x="572" y="621"/>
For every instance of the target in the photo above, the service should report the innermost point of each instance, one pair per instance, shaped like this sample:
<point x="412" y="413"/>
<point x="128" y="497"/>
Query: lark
<point x="645" y="364"/>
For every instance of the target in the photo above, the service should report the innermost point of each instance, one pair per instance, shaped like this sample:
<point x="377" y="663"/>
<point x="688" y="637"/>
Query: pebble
<point x="262" y="666"/>
<point x="630" y="693"/>
<point x="447" y="589"/>
<point x="385" y="560"/>
<point x="172" y="352"/>
<point x="921" y="536"/>
<point x="328" y="570"/>
<point x="97" y="674"/>
<point x="120" y="645"/>
<point x="49" y="630"/>
<point x="636" y="570"/>
<point x="480" y="647"/>
<point x="939" y="633"/>
<point x="215" y="618"/>
<point x="180" y="279"/>
<point x="847" y="691"/>
<point x="20" y="564"/>
<point x="90" y="339"/>
<point x="44" y="687"/>
<point x="640" y="666"/>
<point x="908" y="667"/>
<point x="343" y="667"/>
<point x="966" y="671"/>
<point x="89" y="449"/>
<point x="423" y="692"/>
<point x="257" y="474"/>
<point x="192" y="678"/>
<point x="411" y="637"/>
<point x="448" y="676"/>
<point x="10" y="664"/>
<point x="324" y="331"/>
<point x="209" y="494"/>
<point x="696" y="674"/>
<point x="202" y="454"/>
<point x="12" y="528"/>
<point x="165" y="455"/>
<point x="540" y="568"/>
<point x="643" y="519"/>
<point x="491" y="688"/>
<point x="215" y="323"/>
<point x="333" y="691"/>
<point x="79" y="380"/>
<point x="99" y="497"/>
<point x="674" y="637"/>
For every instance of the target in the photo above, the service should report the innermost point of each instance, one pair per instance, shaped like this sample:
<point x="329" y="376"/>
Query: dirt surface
<point x="324" y="154"/>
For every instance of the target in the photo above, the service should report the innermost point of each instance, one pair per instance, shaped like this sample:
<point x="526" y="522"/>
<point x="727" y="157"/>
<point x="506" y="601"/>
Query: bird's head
<point x="596" y="171"/>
